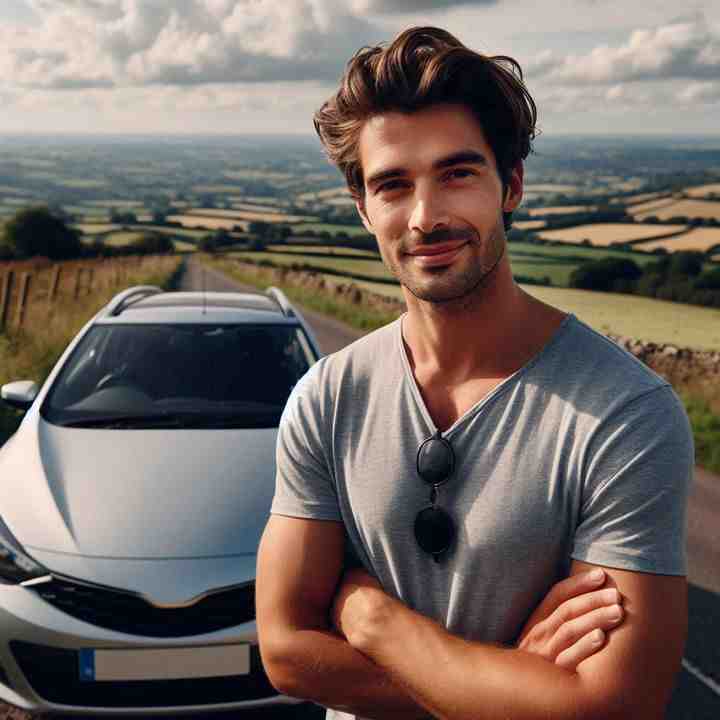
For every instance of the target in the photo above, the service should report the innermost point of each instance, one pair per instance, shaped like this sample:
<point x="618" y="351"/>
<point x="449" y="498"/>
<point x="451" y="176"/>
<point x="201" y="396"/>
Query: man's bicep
<point x="637" y="668"/>
<point x="299" y="564"/>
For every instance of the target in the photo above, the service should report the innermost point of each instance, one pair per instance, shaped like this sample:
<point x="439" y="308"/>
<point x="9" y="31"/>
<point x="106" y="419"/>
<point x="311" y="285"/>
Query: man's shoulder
<point x="356" y="363"/>
<point x="364" y="354"/>
<point x="595" y="356"/>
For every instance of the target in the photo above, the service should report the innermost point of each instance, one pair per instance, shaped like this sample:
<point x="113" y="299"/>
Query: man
<point x="473" y="453"/>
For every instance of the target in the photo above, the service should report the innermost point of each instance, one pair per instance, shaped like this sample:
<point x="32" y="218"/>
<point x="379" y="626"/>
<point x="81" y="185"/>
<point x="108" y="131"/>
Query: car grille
<point x="129" y="613"/>
<point x="54" y="674"/>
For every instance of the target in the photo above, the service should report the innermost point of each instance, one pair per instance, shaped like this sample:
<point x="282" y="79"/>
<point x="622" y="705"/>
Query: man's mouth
<point x="434" y="254"/>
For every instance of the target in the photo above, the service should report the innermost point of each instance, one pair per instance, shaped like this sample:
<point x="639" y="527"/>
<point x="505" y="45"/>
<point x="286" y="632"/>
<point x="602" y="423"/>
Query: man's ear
<point x="360" y="205"/>
<point x="514" y="189"/>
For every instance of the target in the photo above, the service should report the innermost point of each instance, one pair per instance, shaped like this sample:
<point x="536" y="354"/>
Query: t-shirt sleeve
<point x="304" y="483"/>
<point x="638" y="472"/>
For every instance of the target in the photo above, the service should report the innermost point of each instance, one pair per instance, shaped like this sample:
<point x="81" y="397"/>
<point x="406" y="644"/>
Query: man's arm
<point x="452" y="678"/>
<point x="299" y="564"/>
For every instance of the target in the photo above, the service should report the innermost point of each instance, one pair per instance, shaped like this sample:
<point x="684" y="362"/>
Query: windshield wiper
<point x="126" y="422"/>
<point x="188" y="420"/>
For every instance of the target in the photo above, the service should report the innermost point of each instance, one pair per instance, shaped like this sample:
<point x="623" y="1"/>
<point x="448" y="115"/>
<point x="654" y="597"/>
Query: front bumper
<point x="39" y="666"/>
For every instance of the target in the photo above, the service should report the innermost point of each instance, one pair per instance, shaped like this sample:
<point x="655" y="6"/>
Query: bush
<point x="709" y="280"/>
<point x="36" y="231"/>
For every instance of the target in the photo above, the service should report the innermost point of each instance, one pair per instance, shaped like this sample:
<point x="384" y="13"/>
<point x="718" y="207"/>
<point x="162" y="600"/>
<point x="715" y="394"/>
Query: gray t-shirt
<point x="584" y="453"/>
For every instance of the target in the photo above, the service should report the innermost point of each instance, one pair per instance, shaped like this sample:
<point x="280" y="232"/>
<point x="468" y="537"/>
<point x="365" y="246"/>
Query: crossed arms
<point x="347" y="645"/>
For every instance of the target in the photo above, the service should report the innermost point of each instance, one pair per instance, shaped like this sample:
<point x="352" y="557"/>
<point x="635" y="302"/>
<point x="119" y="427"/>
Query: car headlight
<point x="16" y="565"/>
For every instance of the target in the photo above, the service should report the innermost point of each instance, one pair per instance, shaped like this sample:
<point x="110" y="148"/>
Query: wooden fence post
<point x="5" y="298"/>
<point x="78" y="280"/>
<point x="24" y="293"/>
<point x="54" y="285"/>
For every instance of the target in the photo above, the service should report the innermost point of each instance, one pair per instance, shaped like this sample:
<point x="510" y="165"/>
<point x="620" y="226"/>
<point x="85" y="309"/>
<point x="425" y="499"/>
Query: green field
<point x="368" y="268"/>
<point x="321" y="248"/>
<point x="637" y="317"/>
<point x="184" y="246"/>
<point x="332" y="229"/>
<point x="119" y="239"/>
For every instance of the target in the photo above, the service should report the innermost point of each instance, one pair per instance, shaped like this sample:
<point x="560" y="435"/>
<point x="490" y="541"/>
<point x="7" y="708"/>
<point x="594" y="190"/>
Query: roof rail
<point x="281" y="299"/>
<point x="123" y="299"/>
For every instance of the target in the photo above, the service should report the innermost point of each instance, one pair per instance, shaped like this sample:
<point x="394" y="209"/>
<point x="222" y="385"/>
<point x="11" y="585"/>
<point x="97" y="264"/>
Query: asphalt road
<point x="697" y="694"/>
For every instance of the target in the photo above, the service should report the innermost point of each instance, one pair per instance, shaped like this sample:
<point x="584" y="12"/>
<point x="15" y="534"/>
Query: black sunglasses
<point x="434" y="528"/>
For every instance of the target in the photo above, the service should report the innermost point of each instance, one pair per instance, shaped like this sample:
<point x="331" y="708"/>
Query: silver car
<point x="132" y="500"/>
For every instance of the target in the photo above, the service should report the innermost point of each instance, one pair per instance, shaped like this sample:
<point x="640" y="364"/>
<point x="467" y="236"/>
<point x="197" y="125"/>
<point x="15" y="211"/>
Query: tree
<point x="36" y="231"/>
<point x="686" y="262"/>
<point x="608" y="274"/>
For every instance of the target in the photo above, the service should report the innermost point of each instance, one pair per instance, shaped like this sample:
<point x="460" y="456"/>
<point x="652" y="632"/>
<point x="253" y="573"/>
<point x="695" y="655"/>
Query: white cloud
<point x="413" y="6"/>
<point x="97" y="43"/>
<point x="689" y="49"/>
<point x="699" y="92"/>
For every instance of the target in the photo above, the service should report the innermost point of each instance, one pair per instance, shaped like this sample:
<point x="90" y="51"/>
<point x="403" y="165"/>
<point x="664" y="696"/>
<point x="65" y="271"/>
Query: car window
<point x="186" y="375"/>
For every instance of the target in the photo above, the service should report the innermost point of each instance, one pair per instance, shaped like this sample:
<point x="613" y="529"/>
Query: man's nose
<point x="428" y="213"/>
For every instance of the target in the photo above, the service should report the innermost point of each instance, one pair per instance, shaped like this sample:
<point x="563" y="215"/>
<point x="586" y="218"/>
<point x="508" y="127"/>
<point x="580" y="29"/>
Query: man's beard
<point x="451" y="284"/>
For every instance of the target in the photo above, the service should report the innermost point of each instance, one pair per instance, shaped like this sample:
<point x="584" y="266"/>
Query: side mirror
<point x="20" y="394"/>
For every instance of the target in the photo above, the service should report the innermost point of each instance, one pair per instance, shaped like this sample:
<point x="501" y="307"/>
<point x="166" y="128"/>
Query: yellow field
<point x="529" y="224"/>
<point x="701" y="239"/>
<point x="604" y="234"/>
<point x="559" y="210"/>
<point x="95" y="228"/>
<point x="324" y="194"/>
<point x="703" y="190"/>
<point x="685" y="208"/>
<point x="194" y="221"/>
<point x="635" y="199"/>
<point x="270" y="217"/>
<point x="627" y="315"/>
<point x="642" y="207"/>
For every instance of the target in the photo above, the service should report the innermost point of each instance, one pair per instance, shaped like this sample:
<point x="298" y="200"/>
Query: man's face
<point x="434" y="199"/>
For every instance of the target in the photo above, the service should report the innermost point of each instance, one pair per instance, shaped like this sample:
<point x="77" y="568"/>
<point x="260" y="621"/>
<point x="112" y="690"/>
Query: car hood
<point x="137" y="494"/>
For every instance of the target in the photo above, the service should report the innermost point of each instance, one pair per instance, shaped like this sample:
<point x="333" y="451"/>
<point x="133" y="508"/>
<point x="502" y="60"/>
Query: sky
<point x="264" y="66"/>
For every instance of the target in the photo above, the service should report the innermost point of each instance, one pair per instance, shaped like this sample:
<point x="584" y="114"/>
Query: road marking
<point x="700" y="675"/>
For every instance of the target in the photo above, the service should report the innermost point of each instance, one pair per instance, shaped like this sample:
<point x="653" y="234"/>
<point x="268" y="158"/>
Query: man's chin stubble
<point x="460" y="294"/>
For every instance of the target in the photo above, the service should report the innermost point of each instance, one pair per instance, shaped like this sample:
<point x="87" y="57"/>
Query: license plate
<point x="164" y="663"/>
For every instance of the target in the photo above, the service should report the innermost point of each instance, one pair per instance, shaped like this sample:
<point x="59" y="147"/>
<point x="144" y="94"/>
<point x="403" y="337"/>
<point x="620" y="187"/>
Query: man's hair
<point x="422" y="67"/>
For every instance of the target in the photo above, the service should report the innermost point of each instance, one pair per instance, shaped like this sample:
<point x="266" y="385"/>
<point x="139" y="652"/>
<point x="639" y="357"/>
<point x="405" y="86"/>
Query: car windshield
<point x="179" y="376"/>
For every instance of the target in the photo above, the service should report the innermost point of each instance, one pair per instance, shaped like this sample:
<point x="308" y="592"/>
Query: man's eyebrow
<point x="462" y="157"/>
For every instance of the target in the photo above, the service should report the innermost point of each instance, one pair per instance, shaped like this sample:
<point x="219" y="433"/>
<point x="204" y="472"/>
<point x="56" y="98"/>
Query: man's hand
<point x="566" y="628"/>
<point x="570" y="624"/>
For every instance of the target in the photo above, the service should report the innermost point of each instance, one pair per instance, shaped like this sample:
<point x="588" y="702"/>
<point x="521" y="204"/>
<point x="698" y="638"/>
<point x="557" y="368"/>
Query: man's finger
<point x="603" y="618"/>
<point x="568" y="588"/>
<point x="585" y="647"/>
<point x="581" y="605"/>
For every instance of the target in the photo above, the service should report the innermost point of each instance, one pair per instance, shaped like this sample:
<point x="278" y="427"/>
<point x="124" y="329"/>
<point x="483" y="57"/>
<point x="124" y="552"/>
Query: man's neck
<point x="490" y="333"/>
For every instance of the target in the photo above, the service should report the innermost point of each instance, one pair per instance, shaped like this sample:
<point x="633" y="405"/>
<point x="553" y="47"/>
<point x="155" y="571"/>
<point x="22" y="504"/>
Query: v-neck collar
<point x="501" y="387"/>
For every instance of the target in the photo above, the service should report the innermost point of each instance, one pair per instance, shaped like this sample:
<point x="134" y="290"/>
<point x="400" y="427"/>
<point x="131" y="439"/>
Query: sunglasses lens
<point x="434" y="530"/>
<point x="435" y="461"/>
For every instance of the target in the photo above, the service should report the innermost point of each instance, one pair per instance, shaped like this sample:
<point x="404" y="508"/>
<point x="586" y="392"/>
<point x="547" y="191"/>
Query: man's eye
<point x="390" y="185"/>
<point x="459" y="173"/>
